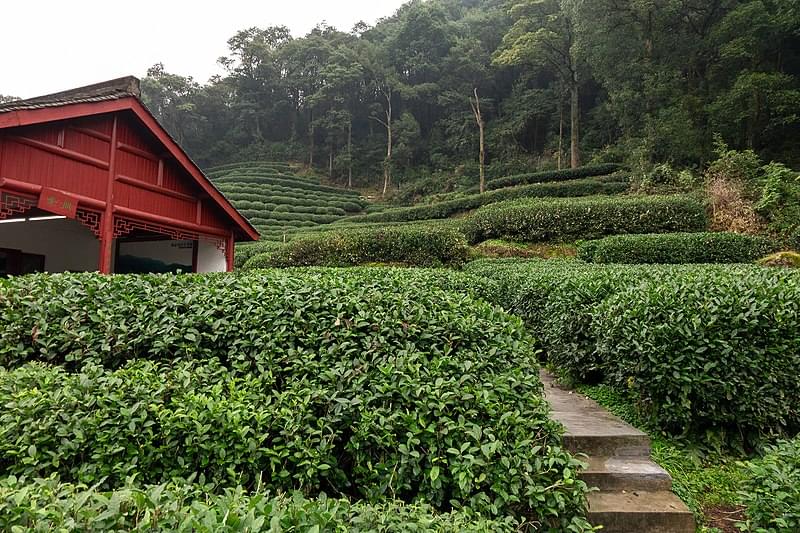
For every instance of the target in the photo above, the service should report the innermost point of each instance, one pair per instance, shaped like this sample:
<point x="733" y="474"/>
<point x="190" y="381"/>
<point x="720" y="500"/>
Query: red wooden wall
<point x="75" y="156"/>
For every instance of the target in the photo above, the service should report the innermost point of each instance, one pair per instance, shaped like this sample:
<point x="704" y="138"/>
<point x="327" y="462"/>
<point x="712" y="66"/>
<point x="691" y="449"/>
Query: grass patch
<point x="704" y="479"/>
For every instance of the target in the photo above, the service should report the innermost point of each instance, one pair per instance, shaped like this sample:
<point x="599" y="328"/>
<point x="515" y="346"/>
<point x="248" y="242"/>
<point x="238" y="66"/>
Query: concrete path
<point x="635" y="494"/>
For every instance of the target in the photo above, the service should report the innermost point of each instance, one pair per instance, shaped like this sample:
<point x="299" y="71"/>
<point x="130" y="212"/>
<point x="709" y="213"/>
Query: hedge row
<point x="703" y="347"/>
<point x="467" y="203"/>
<point x="289" y="216"/>
<point x="48" y="505"/>
<point x="276" y="233"/>
<point x="268" y="207"/>
<point x="552" y="175"/>
<point x="370" y="383"/>
<point x="251" y="164"/>
<point x="350" y="207"/>
<point x="418" y="246"/>
<point x="296" y="184"/>
<point x="288" y="192"/>
<point x="676" y="248"/>
<point x="279" y="190"/>
<point x="568" y="219"/>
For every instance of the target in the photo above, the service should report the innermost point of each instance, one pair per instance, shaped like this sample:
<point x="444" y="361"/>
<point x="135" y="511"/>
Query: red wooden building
<point x="90" y="181"/>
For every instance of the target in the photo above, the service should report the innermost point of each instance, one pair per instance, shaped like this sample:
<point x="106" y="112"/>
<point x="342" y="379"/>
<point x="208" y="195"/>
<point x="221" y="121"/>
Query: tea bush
<point x="552" y="175"/>
<point x="371" y="383"/>
<point x="771" y="490"/>
<point x="676" y="248"/>
<point x="708" y="349"/>
<point x="414" y="245"/>
<point x="705" y="348"/>
<point x="567" y="219"/>
<point x="48" y="505"/>
<point x="466" y="203"/>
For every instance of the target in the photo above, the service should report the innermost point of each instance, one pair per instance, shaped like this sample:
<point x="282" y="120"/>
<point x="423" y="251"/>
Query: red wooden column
<point x="107" y="229"/>
<point x="230" y="244"/>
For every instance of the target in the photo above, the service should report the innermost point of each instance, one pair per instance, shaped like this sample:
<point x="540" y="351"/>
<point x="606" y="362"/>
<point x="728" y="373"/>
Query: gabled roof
<point x="107" y="97"/>
<point x="98" y="92"/>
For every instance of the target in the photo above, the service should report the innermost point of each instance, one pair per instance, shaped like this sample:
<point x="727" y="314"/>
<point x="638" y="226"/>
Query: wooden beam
<point x="63" y="152"/>
<point x="154" y="188"/>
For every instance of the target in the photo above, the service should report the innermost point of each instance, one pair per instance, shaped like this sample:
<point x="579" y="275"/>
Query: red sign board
<point x="58" y="203"/>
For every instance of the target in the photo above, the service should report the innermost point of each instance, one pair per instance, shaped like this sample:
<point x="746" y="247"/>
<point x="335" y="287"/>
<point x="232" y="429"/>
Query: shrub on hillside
<point x="676" y="248"/>
<point x="48" y="505"/>
<point x="704" y="347"/>
<point x="566" y="219"/>
<point x="708" y="350"/>
<point x="372" y="383"/>
<point x="285" y="182"/>
<point x="420" y="246"/>
<point x="771" y="490"/>
<point x="552" y="175"/>
<point x="466" y="203"/>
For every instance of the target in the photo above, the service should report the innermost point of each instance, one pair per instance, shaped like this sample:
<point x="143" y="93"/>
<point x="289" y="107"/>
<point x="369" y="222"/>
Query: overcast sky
<point x="51" y="45"/>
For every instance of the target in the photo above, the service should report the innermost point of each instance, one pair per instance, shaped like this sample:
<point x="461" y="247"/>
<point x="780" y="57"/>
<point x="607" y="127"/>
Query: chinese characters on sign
<point x="58" y="203"/>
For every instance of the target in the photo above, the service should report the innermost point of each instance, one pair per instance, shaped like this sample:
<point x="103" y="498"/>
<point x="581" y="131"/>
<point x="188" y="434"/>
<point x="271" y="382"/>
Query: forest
<point x="443" y="85"/>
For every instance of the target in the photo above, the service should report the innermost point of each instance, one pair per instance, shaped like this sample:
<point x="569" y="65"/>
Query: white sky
<point x="52" y="45"/>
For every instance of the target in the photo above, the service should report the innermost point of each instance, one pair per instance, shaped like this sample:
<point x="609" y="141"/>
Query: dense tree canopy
<point x="444" y="83"/>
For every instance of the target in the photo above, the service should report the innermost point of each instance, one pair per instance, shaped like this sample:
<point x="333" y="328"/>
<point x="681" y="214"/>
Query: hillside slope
<point x="280" y="200"/>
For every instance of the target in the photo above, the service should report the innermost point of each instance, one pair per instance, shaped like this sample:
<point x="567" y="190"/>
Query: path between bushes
<point x="635" y="494"/>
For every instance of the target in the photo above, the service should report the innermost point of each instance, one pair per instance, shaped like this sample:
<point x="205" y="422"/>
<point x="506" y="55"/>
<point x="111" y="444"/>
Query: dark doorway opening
<point x="17" y="263"/>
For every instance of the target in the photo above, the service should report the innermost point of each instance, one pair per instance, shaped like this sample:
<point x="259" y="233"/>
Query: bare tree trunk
<point x="575" y="122"/>
<point x="330" y="161"/>
<point x="350" y="153"/>
<point x="560" y="128"/>
<point x="476" y="109"/>
<point x="387" y="164"/>
<point x="311" y="140"/>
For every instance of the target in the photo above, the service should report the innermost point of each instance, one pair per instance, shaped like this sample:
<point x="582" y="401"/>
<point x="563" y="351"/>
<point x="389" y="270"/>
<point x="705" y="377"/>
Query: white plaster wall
<point x="67" y="245"/>
<point x="170" y="252"/>
<point x="210" y="258"/>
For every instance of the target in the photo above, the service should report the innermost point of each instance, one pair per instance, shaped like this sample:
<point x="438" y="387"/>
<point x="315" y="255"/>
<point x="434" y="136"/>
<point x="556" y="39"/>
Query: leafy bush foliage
<point x="466" y="203"/>
<point x="708" y="350"/>
<point x="771" y="490"/>
<point x="554" y="220"/>
<point x="48" y="505"/>
<point x="676" y="248"/>
<point x="414" y="245"/>
<point x="552" y="175"/>
<point x="370" y="383"/>
<point x="705" y="348"/>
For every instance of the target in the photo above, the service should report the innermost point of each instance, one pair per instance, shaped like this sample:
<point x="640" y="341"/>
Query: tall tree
<point x="545" y="36"/>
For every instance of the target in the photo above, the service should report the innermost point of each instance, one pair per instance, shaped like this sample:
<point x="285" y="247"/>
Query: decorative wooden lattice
<point x="11" y="204"/>
<point x="91" y="219"/>
<point x="124" y="226"/>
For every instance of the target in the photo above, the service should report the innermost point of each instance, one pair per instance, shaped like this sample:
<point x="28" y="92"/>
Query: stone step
<point x="626" y="473"/>
<point x="590" y="429"/>
<point x="643" y="512"/>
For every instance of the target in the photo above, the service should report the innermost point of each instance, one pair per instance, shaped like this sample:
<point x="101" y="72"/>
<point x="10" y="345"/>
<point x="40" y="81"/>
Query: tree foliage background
<point x="558" y="83"/>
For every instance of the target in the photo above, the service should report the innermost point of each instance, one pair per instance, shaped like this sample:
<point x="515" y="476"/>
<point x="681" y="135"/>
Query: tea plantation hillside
<point x="278" y="199"/>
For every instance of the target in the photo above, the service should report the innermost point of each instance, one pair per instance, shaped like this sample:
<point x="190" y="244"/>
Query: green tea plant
<point x="466" y="203"/>
<point x="552" y="175"/>
<point x="771" y="490"/>
<point x="48" y="505"/>
<point x="568" y="219"/>
<point x="368" y="383"/>
<point x="413" y="245"/>
<point x="677" y="248"/>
